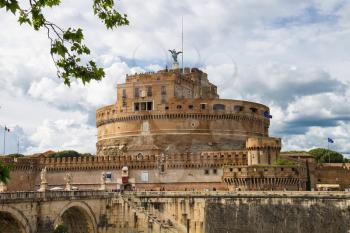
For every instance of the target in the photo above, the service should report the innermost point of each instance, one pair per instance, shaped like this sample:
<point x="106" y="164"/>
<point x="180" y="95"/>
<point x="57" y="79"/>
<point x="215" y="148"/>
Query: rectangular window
<point x="144" y="176"/>
<point x="124" y="93"/>
<point x="206" y="172"/>
<point x="238" y="108"/>
<point x="108" y="176"/>
<point x="253" y="110"/>
<point x="163" y="99"/>
<point x="137" y="92"/>
<point x="203" y="106"/>
<point x="149" y="91"/>
<point x="143" y="106"/>
<point x="149" y="106"/>
<point x="136" y="106"/>
<point x="218" y="107"/>
<point x="163" y="90"/>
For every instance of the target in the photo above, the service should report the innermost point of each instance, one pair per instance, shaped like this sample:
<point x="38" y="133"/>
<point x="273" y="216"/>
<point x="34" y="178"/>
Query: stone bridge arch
<point x="13" y="220"/>
<point x="78" y="217"/>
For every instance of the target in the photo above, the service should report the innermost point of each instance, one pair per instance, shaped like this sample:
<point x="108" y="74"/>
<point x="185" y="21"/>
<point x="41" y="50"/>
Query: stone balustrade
<point x="53" y="195"/>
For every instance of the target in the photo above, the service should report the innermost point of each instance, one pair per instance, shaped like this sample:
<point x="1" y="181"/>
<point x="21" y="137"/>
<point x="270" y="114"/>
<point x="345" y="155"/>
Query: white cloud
<point x="286" y="54"/>
<point x="64" y="134"/>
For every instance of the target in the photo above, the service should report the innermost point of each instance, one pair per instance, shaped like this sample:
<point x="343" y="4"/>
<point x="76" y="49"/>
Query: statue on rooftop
<point x="174" y="54"/>
<point x="43" y="175"/>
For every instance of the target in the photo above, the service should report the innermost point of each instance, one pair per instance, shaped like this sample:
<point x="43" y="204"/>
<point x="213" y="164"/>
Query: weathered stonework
<point x="181" y="212"/>
<point x="173" y="132"/>
<point x="172" y="112"/>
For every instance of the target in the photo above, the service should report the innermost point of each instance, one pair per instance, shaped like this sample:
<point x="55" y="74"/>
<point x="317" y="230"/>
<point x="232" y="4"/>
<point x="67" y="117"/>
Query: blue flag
<point x="330" y="140"/>
<point x="267" y="115"/>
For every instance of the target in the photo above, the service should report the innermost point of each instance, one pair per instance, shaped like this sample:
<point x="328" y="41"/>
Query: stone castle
<point x="169" y="130"/>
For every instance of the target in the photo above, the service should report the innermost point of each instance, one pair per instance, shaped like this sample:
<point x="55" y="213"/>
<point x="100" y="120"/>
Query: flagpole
<point x="4" y="139"/>
<point x="182" y="44"/>
<point x="329" y="154"/>
<point x="17" y="144"/>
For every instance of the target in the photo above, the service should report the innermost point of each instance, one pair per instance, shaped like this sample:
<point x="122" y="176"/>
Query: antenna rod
<point x="182" y="41"/>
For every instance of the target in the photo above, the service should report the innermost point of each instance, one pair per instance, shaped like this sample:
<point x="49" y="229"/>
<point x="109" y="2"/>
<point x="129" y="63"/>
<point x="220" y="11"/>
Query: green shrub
<point x="65" y="154"/>
<point x="4" y="172"/>
<point x="323" y="155"/>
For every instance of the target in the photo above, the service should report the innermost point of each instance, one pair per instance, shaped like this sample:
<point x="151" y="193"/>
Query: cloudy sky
<point x="291" y="55"/>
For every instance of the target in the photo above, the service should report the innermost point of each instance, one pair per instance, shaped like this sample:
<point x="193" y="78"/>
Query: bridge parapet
<point x="241" y="194"/>
<point x="9" y="197"/>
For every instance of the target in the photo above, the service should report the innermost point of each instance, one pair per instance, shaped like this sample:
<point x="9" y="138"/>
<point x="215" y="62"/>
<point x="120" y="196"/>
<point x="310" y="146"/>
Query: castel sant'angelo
<point x="169" y="130"/>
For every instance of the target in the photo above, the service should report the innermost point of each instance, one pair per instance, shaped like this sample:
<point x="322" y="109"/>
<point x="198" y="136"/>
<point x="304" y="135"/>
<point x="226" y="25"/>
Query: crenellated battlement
<point x="263" y="143"/>
<point x="140" y="161"/>
<point x="265" y="177"/>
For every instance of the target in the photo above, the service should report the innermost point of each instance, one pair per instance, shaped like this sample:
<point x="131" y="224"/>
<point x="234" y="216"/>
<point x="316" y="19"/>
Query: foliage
<point x="65" y="154"/>
<point x="293" y="151"/>
<point x="323" y="155"/>
<point x="4" y="173"/>
<point x="61" y="229"/>
<point x="284" y="162"/>
<point x="67" y="48"/>
<point x="308" y="178"/>
<point x="15" y="155"/>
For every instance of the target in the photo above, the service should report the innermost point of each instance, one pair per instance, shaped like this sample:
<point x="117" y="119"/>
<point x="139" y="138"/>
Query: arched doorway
<point x="78" y="218"/>
<point x="9" y="224"/>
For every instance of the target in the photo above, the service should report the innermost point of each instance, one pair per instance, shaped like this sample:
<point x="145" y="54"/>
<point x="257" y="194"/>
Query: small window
<point x="179" y="106"/>
<point x="190" y="106"/>
<point x="203" y="106"/>
<point x="206" y="172"/>
<point x="238" y="108"/>
<point x="162" y="168"/>
<point x="163" y="99"/>
<point x="282" y="169"/>
<point x="163" y="90"/>
<point x="218" y="107"/>
<point x="136" y="106"/>
<point x="231" y="169"/>
<point x="166" y="107"/>
<point x="149" y="106"/>
<point x="149" y="91"/>
<point x="254" y="110"/>
<point x="124" y="94"/>
<point x="239" y="169"/>
<point x="137" y="92"/>
<point x="215" y="171"/>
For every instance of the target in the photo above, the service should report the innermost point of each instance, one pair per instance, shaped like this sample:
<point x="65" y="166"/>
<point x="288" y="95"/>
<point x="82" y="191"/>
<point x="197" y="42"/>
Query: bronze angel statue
<point x="174" y="54"/>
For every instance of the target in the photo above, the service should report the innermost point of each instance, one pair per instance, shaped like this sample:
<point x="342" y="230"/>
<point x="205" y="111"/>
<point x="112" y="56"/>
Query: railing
<point x="48" y="195"/>
<point x="93" y="194"/>
<point x="241" y="194"/>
